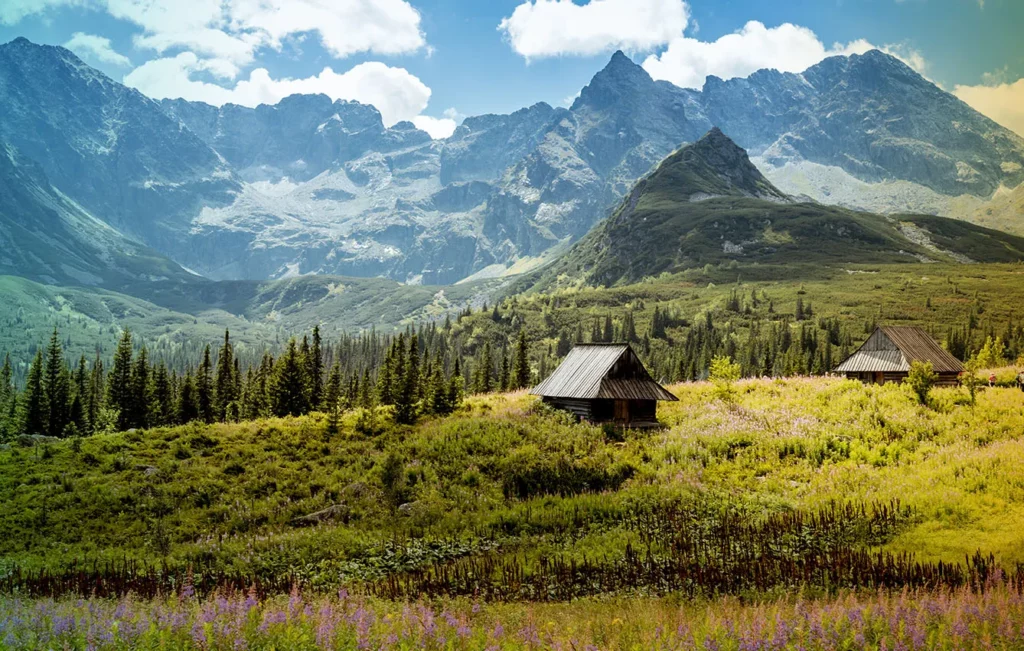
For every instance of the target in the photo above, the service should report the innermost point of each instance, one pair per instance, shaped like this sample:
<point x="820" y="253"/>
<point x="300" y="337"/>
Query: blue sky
<point x="438" y="60"/>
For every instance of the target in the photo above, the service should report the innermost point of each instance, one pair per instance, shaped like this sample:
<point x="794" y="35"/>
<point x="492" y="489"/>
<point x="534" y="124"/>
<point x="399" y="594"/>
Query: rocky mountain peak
<point x="620" y="80"/>
<point x="713" y="166"/>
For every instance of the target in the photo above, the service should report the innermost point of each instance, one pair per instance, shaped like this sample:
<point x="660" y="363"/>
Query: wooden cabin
<point x="887" y="355"/>
<point x="605" y="383"/>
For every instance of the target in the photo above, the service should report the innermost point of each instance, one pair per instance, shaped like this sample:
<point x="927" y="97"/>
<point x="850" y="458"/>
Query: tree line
<point x="428" y="369"/>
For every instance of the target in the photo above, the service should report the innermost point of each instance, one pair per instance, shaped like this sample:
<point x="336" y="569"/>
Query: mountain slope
<point x="47" y="237"/>
<point x="708" y="204"/>
<point x="311" y="186"/>
<point x="108" y="147"/>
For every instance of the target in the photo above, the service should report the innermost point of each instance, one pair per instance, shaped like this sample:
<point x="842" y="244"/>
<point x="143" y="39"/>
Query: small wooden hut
<point x="605" y="383"/>
<point x="887" y="355"/>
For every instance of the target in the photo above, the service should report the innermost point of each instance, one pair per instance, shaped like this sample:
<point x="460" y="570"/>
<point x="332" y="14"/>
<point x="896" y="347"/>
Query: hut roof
<point x="602" y="371"/>
<point x="892" y="349"/>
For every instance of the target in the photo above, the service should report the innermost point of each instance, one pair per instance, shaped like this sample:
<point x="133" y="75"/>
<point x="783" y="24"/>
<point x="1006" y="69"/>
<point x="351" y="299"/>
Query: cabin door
<point x="622" y="411"/>
<point x="879" y="378"/>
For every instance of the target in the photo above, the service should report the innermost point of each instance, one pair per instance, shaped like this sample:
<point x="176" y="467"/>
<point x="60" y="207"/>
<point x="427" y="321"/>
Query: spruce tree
<point x="288" y="393"/>
<point x="332" y="399"/>
<point x="119" y="382"/>
<point x="97" y="389"/>
<point x="141" y="391"/>
<point x="56" y="388"/>
<point x="81" y="399"/>
<point x="521" y="366"/>
<point x="225" y="387"/>
<point x="204" y="388"/>
<point x="188" y="404"/>
<point x="405" y="404"/>
<point x="7" y="399"/>
<point x="34" y="412"/>
<point x="315" y="370"/>
<point x="163" y="401"/>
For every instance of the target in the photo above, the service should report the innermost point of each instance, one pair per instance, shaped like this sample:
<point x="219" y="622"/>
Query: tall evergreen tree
<point x="141" y="391"/>
<point x="332" y="399"/>
<point x="188" y="403"/>
<point x="289" y="395"/>
<point x="162" y="412"/>
<point x="56" y="388"/>
<point x="119" y="382"/>
<point x="34" y="412"/>
<point x="204" y="388"/>
<point x="405" y="404"/>
<point x="521" y="366"/>
<point x="225" y="387"/>
<point x="97" y="389"/>
<point x="315" y="370"/>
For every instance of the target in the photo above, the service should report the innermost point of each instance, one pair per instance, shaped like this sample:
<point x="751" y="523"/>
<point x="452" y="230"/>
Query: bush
<point x="724" y="372"/>
<point x="921" y="379"/>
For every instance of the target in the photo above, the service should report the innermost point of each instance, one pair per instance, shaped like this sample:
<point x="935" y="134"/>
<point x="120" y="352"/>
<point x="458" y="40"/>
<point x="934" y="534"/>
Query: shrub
<point x="921" y="379"/>
<point x="724" y="372"/>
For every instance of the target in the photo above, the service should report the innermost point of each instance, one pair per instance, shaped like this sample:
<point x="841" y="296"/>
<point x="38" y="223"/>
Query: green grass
<point x="228" y="495"/>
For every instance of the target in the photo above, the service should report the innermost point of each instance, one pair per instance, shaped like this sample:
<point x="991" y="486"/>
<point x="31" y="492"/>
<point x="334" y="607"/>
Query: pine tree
<point x="521" y="367"/>
<point x="7" y="399"/>
<point x="405" y="404"/>
<point x="456" y="387"/>
<point x="332" y="399"/>
<point x="119" y="382"/>
<point x="34" y="411"/>
<point x="204" y="388"/>
<point x="97" y="389"/>
<point x="56" y="388"/>
<point x="288" y="392"/>
<point x="225" y="386"/>
<point x="163" y="401"/>
<point x="315" y="370"/>
<point x="609" y="330"/>
<point x="504" y="377"/>
<point x="485" y="371"/>
<point x="141" y="391"/>
<point x="188" y="404"/>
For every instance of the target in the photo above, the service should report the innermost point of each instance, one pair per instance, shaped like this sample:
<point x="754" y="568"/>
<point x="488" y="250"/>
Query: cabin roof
<point x="892" y="349"/>
<point x="584" y="375"/>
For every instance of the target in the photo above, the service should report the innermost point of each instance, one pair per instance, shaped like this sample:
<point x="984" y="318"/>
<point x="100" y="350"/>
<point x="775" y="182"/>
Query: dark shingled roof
<point x="892" y="349"/>
<point x="584" y="375"/>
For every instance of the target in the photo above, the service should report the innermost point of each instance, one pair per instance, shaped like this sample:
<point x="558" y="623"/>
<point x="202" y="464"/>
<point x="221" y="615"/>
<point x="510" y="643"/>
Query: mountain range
<point x="314" y="186"/>
<point x="707" y="204"/>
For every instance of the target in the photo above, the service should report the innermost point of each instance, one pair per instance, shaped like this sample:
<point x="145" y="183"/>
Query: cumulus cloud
<point x="1003" y="102"/>
<point x="687" y="62"/>
<point x="234" y="30"/>
<point x="395" y="92"/>
<point x="545" y="28"/>
<point x="439" y="128"/>
<point x="98" y="48"/>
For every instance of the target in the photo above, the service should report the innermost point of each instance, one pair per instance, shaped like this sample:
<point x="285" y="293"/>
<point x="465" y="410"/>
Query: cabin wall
<point x="608" y="411"/>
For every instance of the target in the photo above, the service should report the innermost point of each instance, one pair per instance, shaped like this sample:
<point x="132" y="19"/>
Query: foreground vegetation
<point x="504" y="480"/>
<point x="961" y="620"/>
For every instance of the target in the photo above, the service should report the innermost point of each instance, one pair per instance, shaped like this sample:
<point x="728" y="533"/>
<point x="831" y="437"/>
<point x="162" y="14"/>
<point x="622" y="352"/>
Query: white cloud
<point x="346" y="27"/>
<point x="439" y="128"/>
<point x="234" y="30"/>
<point x="12" y="11"/>
<point x="544" y="28"/>
<point x="395" y="92"/>
<point x="90" y="46"/>
<point x="1003" y="102"/>
<point x="788" y="48"/>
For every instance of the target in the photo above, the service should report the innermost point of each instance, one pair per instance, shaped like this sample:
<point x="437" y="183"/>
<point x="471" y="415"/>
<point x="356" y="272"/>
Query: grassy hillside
<point x="505" y="479"/>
